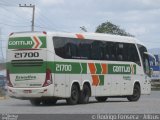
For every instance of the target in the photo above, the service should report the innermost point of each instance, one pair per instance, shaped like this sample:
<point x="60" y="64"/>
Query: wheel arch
<point x="76" y="82"/>
<point x="136" y="92"/>
<point x="137" y="83"/>
<point x="87" y="82"/>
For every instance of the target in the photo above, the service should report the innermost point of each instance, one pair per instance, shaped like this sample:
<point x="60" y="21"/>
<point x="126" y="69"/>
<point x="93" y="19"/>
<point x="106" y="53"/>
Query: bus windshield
<point x="145" y="59"/>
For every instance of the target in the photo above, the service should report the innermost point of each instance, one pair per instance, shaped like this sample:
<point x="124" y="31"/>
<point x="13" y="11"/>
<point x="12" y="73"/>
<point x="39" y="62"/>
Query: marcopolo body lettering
<point x="20" y="42"/>
<point x="121" y="69"/>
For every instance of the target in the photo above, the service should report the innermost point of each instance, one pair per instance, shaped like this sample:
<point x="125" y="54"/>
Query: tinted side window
<point x="106" y="51"/>
<point x="133" y="54"/>
<point x="126" y="51"/>
<point x="59" y="46"/>
<point x="112" y="50"/>
<point x="72" y="48"/>
<point x="84" y="49"/>
<point x="97" y="50"/>
<point x="120" y="52"/>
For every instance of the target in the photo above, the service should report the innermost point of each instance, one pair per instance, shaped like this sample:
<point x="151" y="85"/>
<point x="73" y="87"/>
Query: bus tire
<point x="136" y="93"/>
<point x="35" y="102"/>
<point x="84" y="94"/>
<point x="49" y="102"/>
<point x="73" y="100"/>
<point x="101" y="99"/>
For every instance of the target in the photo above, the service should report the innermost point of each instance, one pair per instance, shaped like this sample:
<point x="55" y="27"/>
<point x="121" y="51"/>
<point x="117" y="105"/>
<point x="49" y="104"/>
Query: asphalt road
<point x="146" y="104"/>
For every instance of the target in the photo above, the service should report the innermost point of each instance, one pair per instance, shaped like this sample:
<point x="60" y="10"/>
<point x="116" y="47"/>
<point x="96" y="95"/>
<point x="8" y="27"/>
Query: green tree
<point x="108" y="27"/>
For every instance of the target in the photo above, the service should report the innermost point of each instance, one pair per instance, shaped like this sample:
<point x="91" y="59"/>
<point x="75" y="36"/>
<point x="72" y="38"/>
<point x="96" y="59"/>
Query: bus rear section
<point x="27" y="73"/>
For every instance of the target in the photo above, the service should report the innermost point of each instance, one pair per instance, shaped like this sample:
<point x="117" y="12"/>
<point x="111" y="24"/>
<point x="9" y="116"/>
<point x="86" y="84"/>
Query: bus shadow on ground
<point x="91" y="102"/>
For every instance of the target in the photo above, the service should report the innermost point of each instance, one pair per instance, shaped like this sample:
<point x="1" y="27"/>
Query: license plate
<point x="27" y="91"/>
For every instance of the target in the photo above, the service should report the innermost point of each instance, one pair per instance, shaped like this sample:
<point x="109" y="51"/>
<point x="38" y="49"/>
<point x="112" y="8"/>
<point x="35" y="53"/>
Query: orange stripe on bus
<point x="92" y="68"/>
<point x="104" y="68"/>
<point x="95" y="79"/>
<point x="79" y="36"/>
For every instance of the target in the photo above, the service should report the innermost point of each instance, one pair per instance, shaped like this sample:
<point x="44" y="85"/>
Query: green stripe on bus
<point x="101" y="77"/>
<point x="55" y="67"/>
<point x="84" y="66"/>
<point x="43" y="40"/>
<point x="26" y="42"/>
<point x="69" y="68"/>
<point x="98" y="68"/>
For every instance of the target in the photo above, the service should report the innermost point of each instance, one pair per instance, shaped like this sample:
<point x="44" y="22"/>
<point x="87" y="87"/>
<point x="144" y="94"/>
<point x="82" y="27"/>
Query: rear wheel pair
<point x="78" y="96"/>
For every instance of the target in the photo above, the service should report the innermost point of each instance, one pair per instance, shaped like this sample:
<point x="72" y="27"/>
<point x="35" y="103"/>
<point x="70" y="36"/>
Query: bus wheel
<point x="74" y="95"/>
<point x="49" y="101"/>
<point x="136" y="93"/>
<point x="35" y="102"/>
<point x="84" y="95"/>
<point x="101" y="99"/>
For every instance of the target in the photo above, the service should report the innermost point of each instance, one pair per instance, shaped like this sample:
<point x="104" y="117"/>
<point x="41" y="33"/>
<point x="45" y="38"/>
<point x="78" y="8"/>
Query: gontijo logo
<point x="20" y="42"/>
<point x="27" y="42"/>
<point x="121" y="69"/>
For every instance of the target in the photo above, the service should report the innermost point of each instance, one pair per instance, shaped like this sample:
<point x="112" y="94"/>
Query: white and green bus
<point x="45" y="67"/>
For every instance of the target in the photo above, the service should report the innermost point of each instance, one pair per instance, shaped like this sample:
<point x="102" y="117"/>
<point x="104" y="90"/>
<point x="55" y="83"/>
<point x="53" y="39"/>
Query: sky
<point x="138" y="17"/>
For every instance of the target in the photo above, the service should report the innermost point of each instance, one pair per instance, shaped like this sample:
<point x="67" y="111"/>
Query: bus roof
<point x="95" y="36"/>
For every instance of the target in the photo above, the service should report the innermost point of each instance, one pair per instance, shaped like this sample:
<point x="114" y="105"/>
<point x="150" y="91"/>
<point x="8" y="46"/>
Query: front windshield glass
<point x="145" y="59"/>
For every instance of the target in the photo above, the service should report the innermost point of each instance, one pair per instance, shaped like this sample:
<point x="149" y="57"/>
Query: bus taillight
<point x="11" y="34"/>
<point x="48" y="79"/>
<point x="44" y="32"/>
<point x="8" y="79"/>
